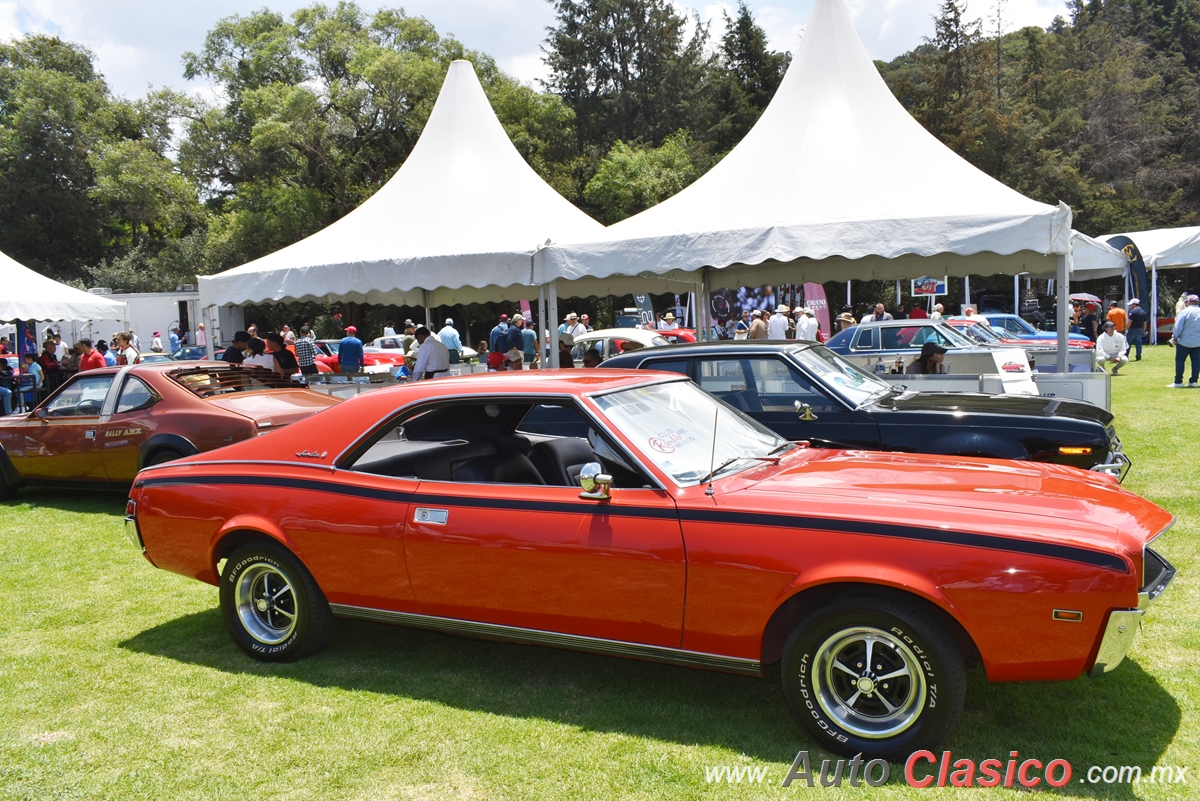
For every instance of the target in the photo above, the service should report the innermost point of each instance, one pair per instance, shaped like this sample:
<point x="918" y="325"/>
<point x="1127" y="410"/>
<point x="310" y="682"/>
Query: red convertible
<point x="102" y="426"/>
<point x="679" y="530"/>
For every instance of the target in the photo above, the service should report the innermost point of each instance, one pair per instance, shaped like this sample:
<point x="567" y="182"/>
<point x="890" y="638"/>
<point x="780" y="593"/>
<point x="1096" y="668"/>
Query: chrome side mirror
<point x="40" y="414"/>
<point x="594" y="482"/>
<point x="805" y="411"/>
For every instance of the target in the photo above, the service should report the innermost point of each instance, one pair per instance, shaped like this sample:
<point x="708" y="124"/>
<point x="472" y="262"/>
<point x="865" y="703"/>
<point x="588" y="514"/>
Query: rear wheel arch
<point x="10" y="478"/>
<point x="164" y="442"/>
<point x="243" y="533"/>
<point x="793" y="610"/>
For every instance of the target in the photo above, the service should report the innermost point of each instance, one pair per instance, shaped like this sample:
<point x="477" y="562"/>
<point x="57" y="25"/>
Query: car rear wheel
<point x="163" y="455"/>
<point x="875" y="675"/>
<point x="272" y="605"/>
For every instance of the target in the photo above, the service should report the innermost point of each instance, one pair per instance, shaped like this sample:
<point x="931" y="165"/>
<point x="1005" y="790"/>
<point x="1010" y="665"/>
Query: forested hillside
<point x="313" y="112"/>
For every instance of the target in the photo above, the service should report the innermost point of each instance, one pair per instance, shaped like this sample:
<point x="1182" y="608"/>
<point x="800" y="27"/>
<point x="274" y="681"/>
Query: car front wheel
<point x="875" y="675"/>
<point x="272" y="605"/>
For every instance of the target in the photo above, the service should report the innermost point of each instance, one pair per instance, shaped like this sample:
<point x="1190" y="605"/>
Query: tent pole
<point x="1154" y="302"/>
<point x="1063" y="285"/>
<point x="703" y="318"/>
<point x="209" y="335"/>
<point x="551" y="345"/>
<point x="540" y="324"/>
<point x="966" y="290"/>
<point x="848" y="301"/>
<point x="428" y="310"/>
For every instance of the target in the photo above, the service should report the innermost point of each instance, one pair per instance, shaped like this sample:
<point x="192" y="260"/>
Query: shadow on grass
<point x="1125" y="718"/>
<point x="72" y="500"/>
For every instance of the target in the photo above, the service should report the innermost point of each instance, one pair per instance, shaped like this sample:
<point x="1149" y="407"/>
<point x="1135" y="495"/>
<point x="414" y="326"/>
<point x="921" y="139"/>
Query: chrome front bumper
<point x="1118" y="463"/>
<point x="1123" y="624"/>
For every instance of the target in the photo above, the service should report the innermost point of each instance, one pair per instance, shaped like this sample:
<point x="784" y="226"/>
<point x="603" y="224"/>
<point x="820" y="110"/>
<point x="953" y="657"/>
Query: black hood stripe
<point x="779" y="520"/>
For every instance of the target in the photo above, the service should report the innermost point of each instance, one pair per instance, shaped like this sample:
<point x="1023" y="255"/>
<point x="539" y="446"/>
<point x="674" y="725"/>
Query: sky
<point x="139" y="44"/>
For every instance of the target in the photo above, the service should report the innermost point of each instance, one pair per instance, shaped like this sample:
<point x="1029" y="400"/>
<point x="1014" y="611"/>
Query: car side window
<point x="83" y="397"/>
<point x="668" y="365"/>
<point x="135" y="395"/>
<point x="892" y="338"/>
<point x="493" y="441"/>
<point x="779" y="387"/>
<point x="726" y="378"/>
<point x="866" y="339"/>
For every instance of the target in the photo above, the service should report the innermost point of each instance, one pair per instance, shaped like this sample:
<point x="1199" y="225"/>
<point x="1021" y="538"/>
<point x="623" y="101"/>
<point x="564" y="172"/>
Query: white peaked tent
<point x="29" y="295"/>
<point x="835" y="181"/>
<point x="458" y="222"/>
<point x="1161" y="248"/>
<point x="1166" y="247"/>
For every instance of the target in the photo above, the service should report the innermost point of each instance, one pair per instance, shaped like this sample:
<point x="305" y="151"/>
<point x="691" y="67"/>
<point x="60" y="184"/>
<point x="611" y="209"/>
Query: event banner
<point x="925" y="286"/>
<point x="814" y="298"/>
<point x="1137" y="266"/>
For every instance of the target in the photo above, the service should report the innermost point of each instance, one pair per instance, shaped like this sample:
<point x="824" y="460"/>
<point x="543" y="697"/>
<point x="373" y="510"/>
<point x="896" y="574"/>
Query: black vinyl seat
<point x="501" y="468"/>
<point x="560" y="460"/>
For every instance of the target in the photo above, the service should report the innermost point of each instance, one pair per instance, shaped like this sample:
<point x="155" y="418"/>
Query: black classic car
<point x="804" y="391"/>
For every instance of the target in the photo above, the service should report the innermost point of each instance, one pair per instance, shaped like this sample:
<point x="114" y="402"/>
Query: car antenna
<point x="712" y="458"/>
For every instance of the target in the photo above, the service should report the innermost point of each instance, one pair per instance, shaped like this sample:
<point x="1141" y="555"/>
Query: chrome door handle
<point x="434" y="517"/>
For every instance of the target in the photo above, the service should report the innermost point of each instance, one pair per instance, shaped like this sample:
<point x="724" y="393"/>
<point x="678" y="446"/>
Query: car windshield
<point x="1021" y="324"/>
<point x="981" y="333"/>
<point x="957" y="338"/>
<point x="841" y="375"/>
<point x="673" y="424"/>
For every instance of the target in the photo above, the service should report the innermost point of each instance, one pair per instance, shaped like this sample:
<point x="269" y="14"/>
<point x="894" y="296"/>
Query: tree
<point x="625" y="69"/>
<point x="53" y="106"/>
<point x="750" y="75"/>
<point x="634" y="178"/>
<point x="320" y="110"/>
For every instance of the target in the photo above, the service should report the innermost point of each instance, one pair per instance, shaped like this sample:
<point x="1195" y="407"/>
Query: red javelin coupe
<point x="679" y="530"/>
<point x="102" y="426"/>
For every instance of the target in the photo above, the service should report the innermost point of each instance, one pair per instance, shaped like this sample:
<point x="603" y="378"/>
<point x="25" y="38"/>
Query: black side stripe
<point x="868" y="528"/>
<point x="1067" y="552"/>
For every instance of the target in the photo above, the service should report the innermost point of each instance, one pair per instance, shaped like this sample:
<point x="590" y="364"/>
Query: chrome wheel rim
<point x="869" y="681"/>
<point x="266" y="604"/>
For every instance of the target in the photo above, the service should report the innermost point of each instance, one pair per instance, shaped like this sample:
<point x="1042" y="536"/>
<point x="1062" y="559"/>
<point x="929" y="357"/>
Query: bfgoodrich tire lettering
<point x="272" y="605"/>
<point x="906" y="696"/>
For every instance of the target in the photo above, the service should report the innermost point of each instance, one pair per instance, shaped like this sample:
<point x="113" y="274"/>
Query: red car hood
<point x="274" y="408"/>
<point x="1024" y="500"/>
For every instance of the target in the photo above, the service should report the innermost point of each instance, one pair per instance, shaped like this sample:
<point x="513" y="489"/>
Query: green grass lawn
<point x="118" y="681"/>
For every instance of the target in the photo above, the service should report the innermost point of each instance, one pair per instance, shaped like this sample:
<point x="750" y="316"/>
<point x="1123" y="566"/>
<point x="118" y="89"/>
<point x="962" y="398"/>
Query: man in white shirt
<point x="433" y="358"/>
<point x="1111" y="347"/>
<point x="777" y="326"/>
<point x="574" y="328"/>
<point x="201" y="336"/>
<point x="450" y="338"/>
<point x="807" y="325"/>
<point x="975" y="316"/>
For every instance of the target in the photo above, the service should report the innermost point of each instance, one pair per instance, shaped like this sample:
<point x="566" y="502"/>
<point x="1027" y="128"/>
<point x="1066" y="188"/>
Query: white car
<point x="611" y="341"/>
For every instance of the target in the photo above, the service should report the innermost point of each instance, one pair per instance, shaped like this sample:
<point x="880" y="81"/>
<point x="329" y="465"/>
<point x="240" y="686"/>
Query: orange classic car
<point x="679" y="530"/>
<point x="102" y="426"/>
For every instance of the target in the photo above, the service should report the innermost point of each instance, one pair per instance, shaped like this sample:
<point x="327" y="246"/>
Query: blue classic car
<point x="1019" y="328"/>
